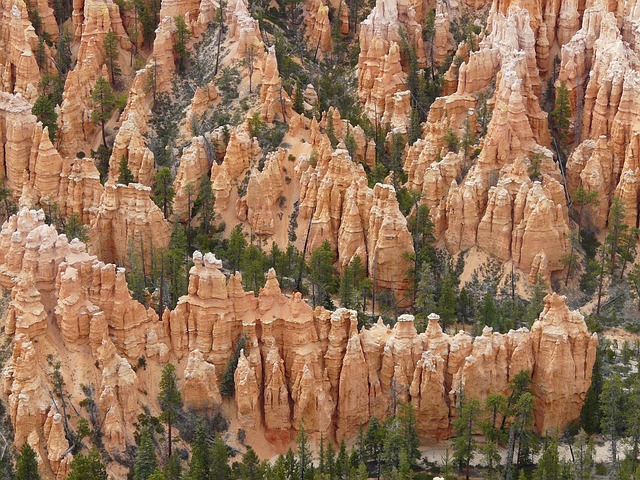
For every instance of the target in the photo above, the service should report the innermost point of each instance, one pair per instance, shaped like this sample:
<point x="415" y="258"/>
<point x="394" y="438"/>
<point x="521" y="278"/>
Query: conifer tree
<point x="104" y="102"/>
<point x="584" y="456"/>
<point x="304" y="456"/>
<point x="409" y="431"/>
<point x="146" y="462"/>
<point x="111" y="51"/>
<point x="561" y="114"/>
<point x="170" y="399"/>
<point x="201" y="461"/>
<point x="322" y="273"/>
<point x="612" y="407"/>
<point x="250" y="468"/>
<point x="163" y="192"/>
<point x="236" y="247"/>
<point x="227" y="386"/>
<point x="220" y="460"/>
<point x="125" y="177"/>
<point x="374" y="440"/>
<point x="44" y="109"/>
<point x="182" y="36"/>
<point x="27" y="465"/>
<point x="464" y="427"/>
<point x="548" y="467"/>
<point x="87" y="467"/>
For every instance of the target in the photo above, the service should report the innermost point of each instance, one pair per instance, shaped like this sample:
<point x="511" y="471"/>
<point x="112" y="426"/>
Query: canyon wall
<point x="297" y="364"/>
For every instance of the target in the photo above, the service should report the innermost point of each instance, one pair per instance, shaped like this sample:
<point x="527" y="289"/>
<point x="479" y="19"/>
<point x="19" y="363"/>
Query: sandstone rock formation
<point x="19" y="72"/>
<point x="297" y="363"/>
<point x="128" y="221"/>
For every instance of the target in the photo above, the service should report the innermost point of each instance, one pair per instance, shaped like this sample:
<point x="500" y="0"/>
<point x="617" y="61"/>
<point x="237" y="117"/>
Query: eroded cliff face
<point x="297" y="364"/>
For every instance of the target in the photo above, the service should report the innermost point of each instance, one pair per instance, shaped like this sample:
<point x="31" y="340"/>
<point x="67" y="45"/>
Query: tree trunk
<point x="104" y="138"/>
<point x="169" y="431"/>
<point x="601" y="282"/>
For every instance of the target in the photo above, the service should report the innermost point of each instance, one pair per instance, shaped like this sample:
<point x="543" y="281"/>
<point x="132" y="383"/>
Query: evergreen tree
<point x="536" y="303"/>
<point x="250" y="469"/>
<point x="409" y="432"/>
<point x="617" y="228"/>
<point x="163" y="192"/>
<point x="236" y="247"/>
<point x="584" y="456"/>
<point x="201" y="461"/>
<point x="146" y="462"/>
<point x="44" y="109"/>
<point x="220" y="460"/>
<point x="182" y="36"/>
<point x="464" y="426"/>
<point x="632" y="420"/>
<point x="561" y="114"/>
<point x="76" y="228"/>
<point x="253" y="265"/>
<point x="170" y="399"/>
<point x="87" y="467"/>
<point x="104" y="102"/>
<point x="447" y="302"/>
<point x="374" y="441"/>
<point x="64" y="57"/>
<point x="304" y="456"/>
<point x="581" y="200"/>
<point x="425" y="292"/>
<point x="488" y="314"/>
<point x="522" y="419"/>
<point x="612" y="407"/>
<point x="322" y="273"/>
<point x="173" y="469"/>
<point x="548" y="467"/>
<point x="111" y="47"/>
<point x="27" y="465"/>
<point x="227" y="386"/>
<point x="125" y="177"/>
<point x="590" y="413"/>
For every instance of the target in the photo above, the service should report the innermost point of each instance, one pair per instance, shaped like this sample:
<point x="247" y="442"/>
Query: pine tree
<point x="632" y="420"/>
<point x="584" y="456"/>
<point x="201" y="461"/>
<point x="220" y="460"/>
<point x="561" y="114"/>
<point x="163" y="192"/>
<point x="125" y="177"/>
<point x="612" y="407"/>
<point x="173" y="469"/>
<point x="111" y="46"/>
<point x="617" y="228"/>
<point x="104" y="102"/>
<point x="581" y="200"/>
<point x="170" y="399"/>
<point x="236" y="247"/>
<point x="227" y="386"/>
<point x="146" y="462"/>
<point x="250" y="468"/>
<point x="322" y="273"/>
<point x="374" y="440"/>
<point x="409" y="432"/>
<point x="44" y="109"/>
<point x="87" y="467"/>
<point x="464" y="426"/>
<point x="27" y="465"/>
<point x="488" y="313"/>
<point x="182" y="36"/>
<point x="253" y="265"/>
<point x="548" y="467"/>
<point x="304" y="456"/>
<point x="447" y="302"/>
